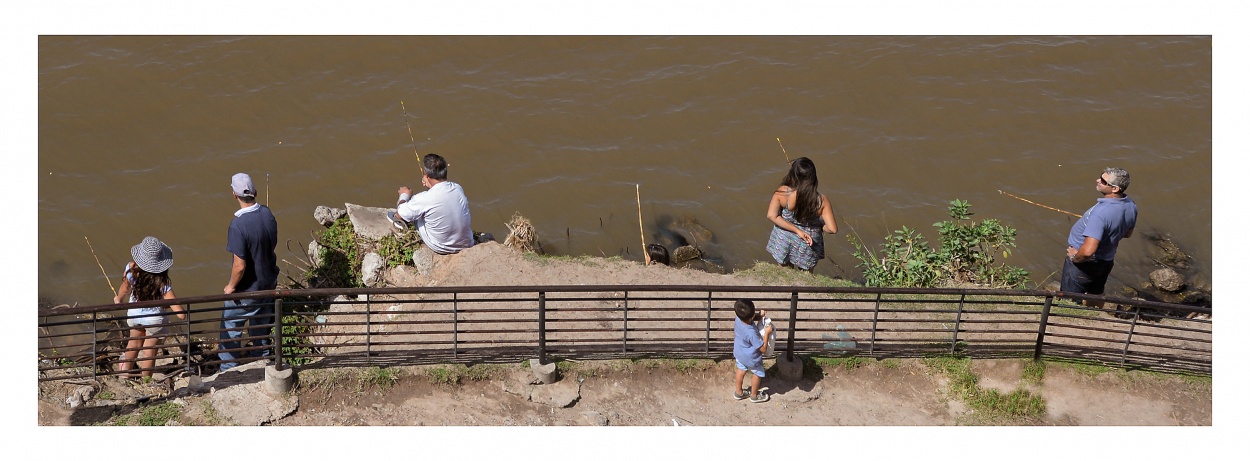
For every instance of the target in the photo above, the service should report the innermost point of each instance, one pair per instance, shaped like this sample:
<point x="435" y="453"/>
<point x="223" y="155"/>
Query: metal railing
<point x="424" y="325"/>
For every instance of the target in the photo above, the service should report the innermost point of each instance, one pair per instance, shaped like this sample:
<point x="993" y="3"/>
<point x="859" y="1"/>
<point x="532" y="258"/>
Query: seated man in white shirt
<point x="441" y="214"/>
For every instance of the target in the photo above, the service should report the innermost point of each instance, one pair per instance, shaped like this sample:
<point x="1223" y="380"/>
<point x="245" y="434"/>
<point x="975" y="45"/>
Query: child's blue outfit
<point x="747" y="343"/>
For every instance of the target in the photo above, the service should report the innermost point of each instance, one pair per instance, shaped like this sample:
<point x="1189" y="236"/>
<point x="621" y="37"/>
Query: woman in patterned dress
<point x="800" y="214"/>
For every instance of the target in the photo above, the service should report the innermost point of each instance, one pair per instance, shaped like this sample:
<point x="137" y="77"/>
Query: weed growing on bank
<point x="967" y="253"/>
<point x="339" y="262"/>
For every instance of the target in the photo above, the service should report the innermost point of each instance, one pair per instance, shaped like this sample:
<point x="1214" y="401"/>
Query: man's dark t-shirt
<point x="253" y="237"/>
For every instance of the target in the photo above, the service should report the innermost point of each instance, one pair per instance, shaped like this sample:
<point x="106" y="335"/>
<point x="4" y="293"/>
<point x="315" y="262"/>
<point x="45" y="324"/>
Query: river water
<point x="139" y="135"/>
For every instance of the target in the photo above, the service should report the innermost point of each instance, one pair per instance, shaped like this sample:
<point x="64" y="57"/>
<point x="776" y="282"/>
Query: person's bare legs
<point x="137" y="335"/>
<point x="755" y="385"/>
<point x="738" y="375"/>
<point x="149" y="344"/>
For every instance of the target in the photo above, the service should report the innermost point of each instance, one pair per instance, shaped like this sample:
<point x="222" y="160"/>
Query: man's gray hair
<point x="1119" y="178"/>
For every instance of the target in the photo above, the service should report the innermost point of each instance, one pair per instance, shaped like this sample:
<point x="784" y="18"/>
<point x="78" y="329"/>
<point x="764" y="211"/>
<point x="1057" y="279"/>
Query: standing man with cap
<point x="441" y="213"/>
<point x="252" y="239"/>
<point x="1094" y="238"/>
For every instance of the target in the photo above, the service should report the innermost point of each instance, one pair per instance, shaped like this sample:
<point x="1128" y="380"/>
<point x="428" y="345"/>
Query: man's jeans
<point x="238" y="313"/>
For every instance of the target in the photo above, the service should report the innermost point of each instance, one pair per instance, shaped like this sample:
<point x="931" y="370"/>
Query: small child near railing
<point x="749" y="347"/>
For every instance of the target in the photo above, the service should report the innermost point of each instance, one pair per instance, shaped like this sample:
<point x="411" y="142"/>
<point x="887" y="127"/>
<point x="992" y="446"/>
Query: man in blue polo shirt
<point x="1094" y="238"/>
<point x="252" y="239"/>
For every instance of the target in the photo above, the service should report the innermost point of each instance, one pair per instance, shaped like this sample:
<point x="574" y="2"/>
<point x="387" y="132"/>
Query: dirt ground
<point x="898" y="393"/>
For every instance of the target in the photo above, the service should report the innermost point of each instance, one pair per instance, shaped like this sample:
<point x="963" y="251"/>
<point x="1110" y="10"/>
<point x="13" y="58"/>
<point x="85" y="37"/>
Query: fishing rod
<point x="410" y="138"/>
<point x="112" y="291"/>
<point x="641" y="233"/>
<point x="783" y="150"/>
<point x="1038" y="204"/>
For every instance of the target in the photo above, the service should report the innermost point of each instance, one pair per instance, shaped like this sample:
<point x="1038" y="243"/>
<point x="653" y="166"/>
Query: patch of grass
<point x="847" y="363"/>
<point x="322" y="379"/>
<point x="690" y="365"/>
<point x="445" y="374"/>
<point x="1198" y="381"/>
<point x="158" y="415"/>
<point x="209" y="413"/>
<point x="814" y="367"/>
<point x="1018" y="404"/>
<point x="891" y="363"/>
<point x="377" y="378"/>
<point x="649" y="364"/>
<point x="1034" y="371"/>
<point x="486" y="371"/>
<point x="773" y="274"/>
<point x="988" y="405"/>
<point x="105" y="395"/>
<point x="152" y="415"/>
<point x="1084" y="368"/>
<point x="580" y="370"/>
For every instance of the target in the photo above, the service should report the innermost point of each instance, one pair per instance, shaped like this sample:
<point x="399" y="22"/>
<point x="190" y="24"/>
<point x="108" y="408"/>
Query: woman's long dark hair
<point x="802" y="178"/>
<point x="147" y="285"/>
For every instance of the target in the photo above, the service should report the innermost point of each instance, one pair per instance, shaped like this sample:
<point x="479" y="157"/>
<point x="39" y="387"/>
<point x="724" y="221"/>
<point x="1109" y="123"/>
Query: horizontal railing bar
<point x="322" y="292"/>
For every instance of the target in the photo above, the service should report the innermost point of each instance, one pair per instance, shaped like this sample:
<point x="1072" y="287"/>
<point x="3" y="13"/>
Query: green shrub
<point x="295" y="348"/>
<point x="397" y="250"/>
<point x="905" y="260"/>
<point x="969" y="249"/>
<point x="339" y="264"/>
<point x="967" y="255"/>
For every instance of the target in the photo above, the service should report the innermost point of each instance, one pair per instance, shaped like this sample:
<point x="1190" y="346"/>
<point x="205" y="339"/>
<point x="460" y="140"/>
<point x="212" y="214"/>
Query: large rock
<point x="695" y="232"/>
<point x="1167" y="252"/>
<point x="370" y="268"/>
<point x="314" y="252"/>
<point x="423" y="260"/>
<point x="326" y="215"/>
<point x="685" y="253"/>
<point x="370" y="222"/>
<point x="1167" y="279"/>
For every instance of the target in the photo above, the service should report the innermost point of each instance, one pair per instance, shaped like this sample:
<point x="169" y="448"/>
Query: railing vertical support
<point x="958" y="315"/>
<point x="876" y="311"/>
<point x="1041" y="328"/>
<point x="794" y="317"/>
<point x="455" y="326"/>
<point x="368" y="331"/>
<point x="707" y="342"/>
<point x="95" y="343"/>
<point x="625" y="324"/>
<point x="542" y="328"/>
<point x="277" y="332"/>
<point x="1129" y="340"/>
<point x="187" y="353"/>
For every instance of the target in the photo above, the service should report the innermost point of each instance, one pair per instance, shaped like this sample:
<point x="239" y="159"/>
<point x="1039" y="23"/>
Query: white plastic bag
<point x="772" y="336"/>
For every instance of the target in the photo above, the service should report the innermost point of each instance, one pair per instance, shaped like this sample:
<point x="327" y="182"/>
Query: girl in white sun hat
<point x="146" y="279"/>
